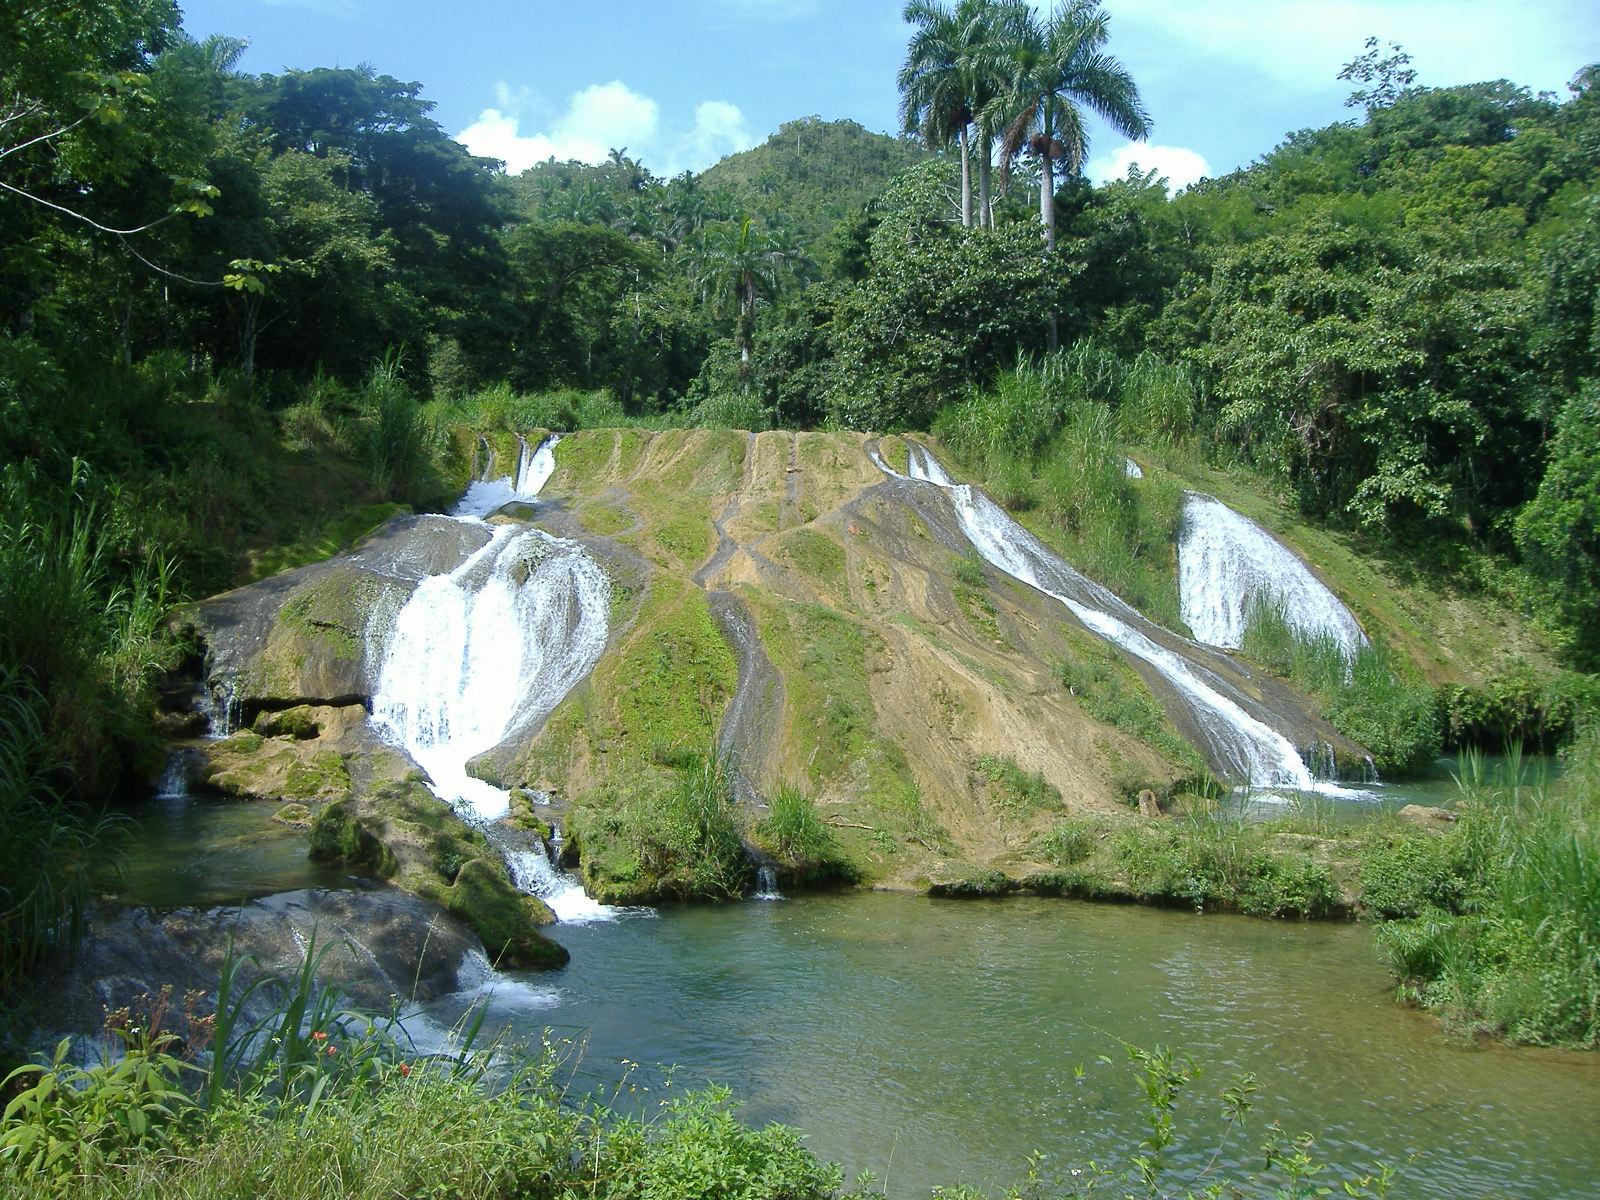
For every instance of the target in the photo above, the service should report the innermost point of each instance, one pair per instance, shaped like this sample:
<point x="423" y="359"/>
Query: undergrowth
<point x="1502" y="930"/>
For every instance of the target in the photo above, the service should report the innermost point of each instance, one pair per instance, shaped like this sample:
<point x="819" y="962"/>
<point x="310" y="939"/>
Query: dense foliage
<point x="1499" y="921"/>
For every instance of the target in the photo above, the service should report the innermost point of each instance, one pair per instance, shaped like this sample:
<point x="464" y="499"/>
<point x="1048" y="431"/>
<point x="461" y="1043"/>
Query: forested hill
<point x="811" y="174"/>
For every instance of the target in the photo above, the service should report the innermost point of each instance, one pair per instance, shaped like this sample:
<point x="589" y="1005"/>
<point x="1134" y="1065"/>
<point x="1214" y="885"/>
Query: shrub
<point x="1408" y="875"/>
<point x="1521" y="955"/>
<point x="801" y="842"/>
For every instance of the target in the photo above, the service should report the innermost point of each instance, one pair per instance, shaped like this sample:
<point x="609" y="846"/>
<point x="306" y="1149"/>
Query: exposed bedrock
<point x="383" y="947"/>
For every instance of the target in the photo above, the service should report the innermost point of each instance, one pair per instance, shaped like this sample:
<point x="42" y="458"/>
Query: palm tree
<point x="739" y="263"/>
<point x="1055" y="68"/>
<point x="935" y="82"/>
<point x="995" y="28"/>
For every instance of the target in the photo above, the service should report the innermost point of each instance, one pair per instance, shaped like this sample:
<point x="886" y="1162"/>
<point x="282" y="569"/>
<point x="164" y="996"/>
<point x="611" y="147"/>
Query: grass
<point x="818" y="557"/>
<point x="673" y="676"/>
<point x="640" y="841"/>
<point x="1365" y="697"/>
<point x="1109" y="690"/>
<point x="1011" y="789"/>
<point x="1502" y="933"/>
<point x="804" y="846"/>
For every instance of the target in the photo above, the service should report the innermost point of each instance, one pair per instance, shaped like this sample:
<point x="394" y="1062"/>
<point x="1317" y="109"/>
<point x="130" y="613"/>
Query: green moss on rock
<point x="506" y="920"/>
<point x="338" y="835"/>
<point x="297" y="816"/>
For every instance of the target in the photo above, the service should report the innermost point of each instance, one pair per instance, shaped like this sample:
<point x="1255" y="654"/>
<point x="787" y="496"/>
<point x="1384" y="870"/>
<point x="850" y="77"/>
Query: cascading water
<point x="1253" y="751"/>
<point x="534" y="467"/>
<point x="1227" y="563"/>
<point x="485" y="650"/>
<point x="767" y="883"/>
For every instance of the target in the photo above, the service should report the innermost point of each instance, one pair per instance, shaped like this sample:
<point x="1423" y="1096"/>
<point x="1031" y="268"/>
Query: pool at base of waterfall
<point x="936" y="1042"/>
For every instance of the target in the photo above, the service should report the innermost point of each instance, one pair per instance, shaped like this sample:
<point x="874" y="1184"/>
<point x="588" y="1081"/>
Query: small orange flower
<point x="405" y="1069"/>
<point x="319" y="1036"/>
<point x="332" y="1050"/>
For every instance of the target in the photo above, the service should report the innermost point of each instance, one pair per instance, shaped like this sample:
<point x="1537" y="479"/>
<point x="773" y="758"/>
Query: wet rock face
<point x="386" y="946"/>
<point x="302" y="636"/>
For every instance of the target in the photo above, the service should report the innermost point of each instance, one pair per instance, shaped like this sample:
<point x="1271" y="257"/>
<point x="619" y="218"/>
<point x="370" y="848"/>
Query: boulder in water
<point x="384" y="947"/>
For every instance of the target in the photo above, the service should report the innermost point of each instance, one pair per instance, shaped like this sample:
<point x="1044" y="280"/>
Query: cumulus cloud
<point x="1178" y="165"/>
<point x="601" y="117"/>
<point x="719" y="130"/>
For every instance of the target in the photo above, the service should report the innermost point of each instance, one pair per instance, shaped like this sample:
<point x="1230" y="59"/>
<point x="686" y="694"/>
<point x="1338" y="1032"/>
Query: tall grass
<point x="1048" y="436"/>
<point x="802" y="844"/>
<point x="1364" y="696"/>
<point x="399" y="453"/>
<point x="47" y="845"/>
<point x="1519" y="954"/>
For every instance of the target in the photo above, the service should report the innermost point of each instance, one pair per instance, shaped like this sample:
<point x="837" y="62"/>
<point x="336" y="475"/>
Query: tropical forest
<point x="910" y="656"/>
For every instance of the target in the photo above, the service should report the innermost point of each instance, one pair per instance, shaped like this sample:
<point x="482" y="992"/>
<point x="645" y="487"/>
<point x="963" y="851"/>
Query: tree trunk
<point x="966" y="181"/>
<point x="1047" y="215"/>
<point x="247" y="336"/>
<point x="1047" y="198"/>
<point x="985" y="195"/>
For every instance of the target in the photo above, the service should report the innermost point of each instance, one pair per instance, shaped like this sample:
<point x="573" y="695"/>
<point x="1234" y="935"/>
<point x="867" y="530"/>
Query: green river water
<point x="934" y="1042"/>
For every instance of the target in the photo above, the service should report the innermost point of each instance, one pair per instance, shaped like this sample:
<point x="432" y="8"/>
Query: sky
<point x="680" y="83"/>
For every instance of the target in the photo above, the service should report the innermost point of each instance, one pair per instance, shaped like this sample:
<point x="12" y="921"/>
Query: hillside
<point x="812" y="174"/>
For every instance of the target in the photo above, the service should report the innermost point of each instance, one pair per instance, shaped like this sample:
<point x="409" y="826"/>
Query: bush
<point x="1406" y="876"/>
<point x="1068" y="841"/>
<point x="1520" y="956"/>
<point x="800" y="841"/>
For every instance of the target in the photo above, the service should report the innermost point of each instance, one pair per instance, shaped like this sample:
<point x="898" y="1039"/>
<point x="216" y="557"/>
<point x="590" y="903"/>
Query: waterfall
<point x="1226" y="563"/>
<point x="1132" y="469"/>
<point x="488" y="649"/>
<point x="767" y="883"/>
<point x="1252" y="750"/>
<point x="534" y="468"/>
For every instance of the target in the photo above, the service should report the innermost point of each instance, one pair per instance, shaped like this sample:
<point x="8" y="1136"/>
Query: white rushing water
<point x="1255" y="752"/>
<point x="533" y="470"/>
<point x="1227" y="563"/>
<point x="488" y="649"/>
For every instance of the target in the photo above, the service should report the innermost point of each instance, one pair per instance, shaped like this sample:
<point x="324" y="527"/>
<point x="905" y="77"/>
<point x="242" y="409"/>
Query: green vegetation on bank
<point x="1497" y="929"/>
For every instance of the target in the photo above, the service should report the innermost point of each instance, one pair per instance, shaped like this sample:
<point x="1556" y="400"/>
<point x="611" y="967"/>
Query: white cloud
<point x="601" y="117"/>
<point x="719" y="130"/>
<point x="1453" y="41"/>
<point x="1178" y="165"/>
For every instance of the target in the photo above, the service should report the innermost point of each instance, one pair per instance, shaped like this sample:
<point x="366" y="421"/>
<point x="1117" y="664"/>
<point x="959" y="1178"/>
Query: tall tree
<point x="1059" y="68"/>
<point x="936" y="82"/>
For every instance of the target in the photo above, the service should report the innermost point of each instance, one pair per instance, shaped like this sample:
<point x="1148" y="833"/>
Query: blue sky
<point x="682" y="82"/>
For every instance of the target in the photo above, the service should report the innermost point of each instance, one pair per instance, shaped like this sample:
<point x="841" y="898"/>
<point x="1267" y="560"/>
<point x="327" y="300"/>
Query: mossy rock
<point x="324" y="774"/>
<point x="337" y="835"/>
<point x="295" y="815"/>
<point x="298" y="722"/>
<point x="525" y="815"/>
<point x="507" y="920"/>
<point x="981" y="886"/>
